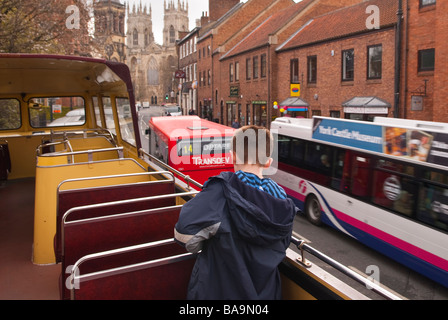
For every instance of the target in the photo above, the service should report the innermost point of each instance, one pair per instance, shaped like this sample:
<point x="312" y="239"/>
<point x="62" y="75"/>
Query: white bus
<point x="383" y="183"/>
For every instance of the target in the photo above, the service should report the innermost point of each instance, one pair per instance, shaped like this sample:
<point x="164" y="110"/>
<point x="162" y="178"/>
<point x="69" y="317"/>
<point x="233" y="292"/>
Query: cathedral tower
<point x="139" y="27"/>
<point x="175" y="21"/>
<point x="109" y="29"/>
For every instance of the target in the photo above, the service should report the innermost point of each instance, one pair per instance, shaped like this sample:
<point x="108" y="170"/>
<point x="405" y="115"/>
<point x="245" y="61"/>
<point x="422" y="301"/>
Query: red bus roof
<point x="189" y="127"/>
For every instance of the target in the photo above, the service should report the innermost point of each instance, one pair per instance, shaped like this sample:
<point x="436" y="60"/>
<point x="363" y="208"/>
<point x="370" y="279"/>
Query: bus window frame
<point x="58" y="97"/>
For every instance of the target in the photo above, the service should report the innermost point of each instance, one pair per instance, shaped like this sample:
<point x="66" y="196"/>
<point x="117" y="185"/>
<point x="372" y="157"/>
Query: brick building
<point x="344" y="68"/>
<point x="341" y="53"/>
<point x="188" y="79"/>
<point x="251" y="74"/>
<point x="214" y="39"/>
<point x="424" y="57"/>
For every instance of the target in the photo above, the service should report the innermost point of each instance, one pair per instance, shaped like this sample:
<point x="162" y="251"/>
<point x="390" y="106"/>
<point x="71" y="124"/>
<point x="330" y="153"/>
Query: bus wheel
<point x="313" y="210"/>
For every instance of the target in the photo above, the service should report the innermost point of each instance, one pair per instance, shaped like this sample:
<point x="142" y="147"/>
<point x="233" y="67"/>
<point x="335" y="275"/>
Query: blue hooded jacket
<point x="243" y="233"/>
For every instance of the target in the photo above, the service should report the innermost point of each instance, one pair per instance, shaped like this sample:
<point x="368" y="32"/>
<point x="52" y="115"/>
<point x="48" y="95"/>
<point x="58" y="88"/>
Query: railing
<point x="303" y="246"/>
<point x="98" y="132"/>
<point x="121" y="215"/>
<point x="187" y="179"/>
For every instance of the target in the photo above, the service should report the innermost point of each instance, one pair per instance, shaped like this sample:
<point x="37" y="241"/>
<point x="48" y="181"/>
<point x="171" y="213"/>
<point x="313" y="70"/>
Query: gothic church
<point x="153" y="65"/>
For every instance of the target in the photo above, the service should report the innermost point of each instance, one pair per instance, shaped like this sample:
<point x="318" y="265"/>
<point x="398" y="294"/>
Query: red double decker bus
<point x="196" y="147"/>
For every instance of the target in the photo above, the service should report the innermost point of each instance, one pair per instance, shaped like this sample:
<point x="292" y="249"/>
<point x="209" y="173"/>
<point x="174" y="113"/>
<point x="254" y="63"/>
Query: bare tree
<point x="30" y="26"/>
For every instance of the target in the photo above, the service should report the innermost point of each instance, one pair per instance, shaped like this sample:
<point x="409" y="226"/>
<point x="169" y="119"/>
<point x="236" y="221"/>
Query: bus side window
<point x="284" y="146"/>
<point x="338" y="170"/>
<point x="433" y="205"/>
<point x="360" y="175"/>
<point x="297" y="152"/>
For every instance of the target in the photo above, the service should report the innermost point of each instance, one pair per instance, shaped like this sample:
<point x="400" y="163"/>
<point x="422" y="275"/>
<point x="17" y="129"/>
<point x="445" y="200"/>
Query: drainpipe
<point x="398" y="60"/>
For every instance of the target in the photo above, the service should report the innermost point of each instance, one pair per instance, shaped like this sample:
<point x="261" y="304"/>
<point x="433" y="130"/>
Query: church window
<point x="135" y="36"/>
<point x="133" y="64"/>
<point x="146" y="37"/>
<point x="153" y="73"/>
<point x="172" y="35"/>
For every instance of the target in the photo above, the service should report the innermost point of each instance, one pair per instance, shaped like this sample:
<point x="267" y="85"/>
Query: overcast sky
<point x="195" y="9"/>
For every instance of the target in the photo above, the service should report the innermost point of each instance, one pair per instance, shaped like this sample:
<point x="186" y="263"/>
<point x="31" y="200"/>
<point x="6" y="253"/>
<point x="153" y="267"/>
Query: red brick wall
<point x="331" y="91"/>
<point x="427" y="28"/>
<point x="441" y="73"/>
<point x="269" y="88"/>
<point x="420" y="36"/>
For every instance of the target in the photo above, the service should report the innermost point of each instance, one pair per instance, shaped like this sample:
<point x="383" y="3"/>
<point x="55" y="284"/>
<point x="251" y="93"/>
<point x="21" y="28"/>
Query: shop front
<point x="294" y="107"/>
<point x="365" y="108"/>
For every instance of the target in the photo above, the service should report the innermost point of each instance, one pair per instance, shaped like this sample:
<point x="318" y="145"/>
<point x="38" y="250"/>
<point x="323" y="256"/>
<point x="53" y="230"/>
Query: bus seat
<point x="68" y="199"/>
<point x="165" y="275"/>
<point x="115" y="231"/>
<point x="49" y="178"/>
<point x="5" y="161"/>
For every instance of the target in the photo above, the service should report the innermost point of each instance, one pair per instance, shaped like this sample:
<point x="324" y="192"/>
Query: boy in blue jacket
<point x="242" y="222"/>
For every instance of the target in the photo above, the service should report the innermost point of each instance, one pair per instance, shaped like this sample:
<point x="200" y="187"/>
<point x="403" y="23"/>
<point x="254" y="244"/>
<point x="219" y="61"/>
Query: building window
<point x="135" y="37"/>
<point x="312" y="69"/>
<point x="153" y="73"/>
<point x="146" y="37"/>
<point x="248" y="69"/>
<point x="209" y="78"/>
<point x="335" y="114"/>
<point x="263" y="65"/>
<point x="237" y="71"/>
<point x="426" y="60"/>
<point x="294" y="70"/>
<point x="255" y="73"/>
<point x="374" y="61"/>
<point x="172" y="35"/>
<point x="348" y="65"/>
<point x="427" y="2"/>
<point x="231" y="72"/>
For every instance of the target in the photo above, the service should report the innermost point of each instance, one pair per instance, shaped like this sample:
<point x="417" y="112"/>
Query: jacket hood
<point x="257" y="216"/>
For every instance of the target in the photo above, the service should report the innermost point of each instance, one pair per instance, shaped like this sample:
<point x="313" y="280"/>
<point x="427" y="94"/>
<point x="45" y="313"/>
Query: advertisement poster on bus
<point x="421" y="145"/>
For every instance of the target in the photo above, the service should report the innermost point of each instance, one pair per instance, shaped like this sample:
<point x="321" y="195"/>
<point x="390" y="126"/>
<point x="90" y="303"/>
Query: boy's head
<point x="252" y="145"/>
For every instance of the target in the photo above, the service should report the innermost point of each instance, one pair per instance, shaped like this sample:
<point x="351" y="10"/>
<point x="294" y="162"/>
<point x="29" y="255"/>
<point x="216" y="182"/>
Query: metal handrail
<point x="187" y="178"/>
<point x="100" y="132"/>
<point x="124" y="175"/>
<point x="303" y="246"/>
<point x="118" y="215"/>
<point x="50" y="144"/>
<point x="89" y="152"/>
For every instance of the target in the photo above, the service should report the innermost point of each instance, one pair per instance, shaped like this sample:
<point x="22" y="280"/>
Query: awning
<point x="366" y="105"/>
<point x="294" y="104"/>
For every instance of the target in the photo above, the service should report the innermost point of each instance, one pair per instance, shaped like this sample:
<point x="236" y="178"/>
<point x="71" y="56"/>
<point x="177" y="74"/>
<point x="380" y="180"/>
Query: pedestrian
<point x="242" y="222"/>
